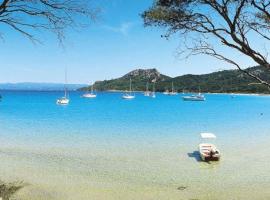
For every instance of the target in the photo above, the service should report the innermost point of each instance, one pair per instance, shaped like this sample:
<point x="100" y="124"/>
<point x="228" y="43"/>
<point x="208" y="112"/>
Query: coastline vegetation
<point x="227" y="81"/>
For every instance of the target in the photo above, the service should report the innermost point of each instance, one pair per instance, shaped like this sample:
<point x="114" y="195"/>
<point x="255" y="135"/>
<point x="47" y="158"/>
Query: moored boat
<point x="198" y="97"/>
<point x="166" y="92"/>
<point x="128" y="95"/>
<point x="208" y="151"/>
<point x="91" y="94"/>
<point x="147" y="92"/>
<point x="64" y="100"/>
<point x="173" y="92"/>
<point x="153" y="93"/>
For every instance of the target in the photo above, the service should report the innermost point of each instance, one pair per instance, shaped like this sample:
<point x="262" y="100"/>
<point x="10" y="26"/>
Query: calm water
<point x="109" y="148"/>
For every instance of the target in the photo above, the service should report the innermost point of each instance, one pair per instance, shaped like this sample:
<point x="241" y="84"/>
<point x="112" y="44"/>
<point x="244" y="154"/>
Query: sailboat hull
<point x="195" y="98"/>
<point x="89" y="96"/>
<point x="147" y="94"/>
<point x="128" y="97"/>
<point x="62" y="101"/>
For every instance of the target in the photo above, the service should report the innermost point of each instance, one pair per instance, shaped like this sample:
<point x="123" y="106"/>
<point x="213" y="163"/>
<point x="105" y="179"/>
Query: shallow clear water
<point x="109" y="148"/>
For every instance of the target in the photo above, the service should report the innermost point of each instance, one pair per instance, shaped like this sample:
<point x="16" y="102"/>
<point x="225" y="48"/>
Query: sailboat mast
<point x="66" y="83"/>
<point x="130" y="85"/>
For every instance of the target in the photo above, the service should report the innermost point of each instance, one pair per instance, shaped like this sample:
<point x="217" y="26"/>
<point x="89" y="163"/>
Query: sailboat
<point x="91" y="94"/>
<point x="153" y="93"/>
<point x="128" y="95"/>
<point x="166" y="92"/>
<point x="147" y="93"/>
<point x="197" y="97"/>
<point x="173" y="92"/>
<point x="64" y="100"/>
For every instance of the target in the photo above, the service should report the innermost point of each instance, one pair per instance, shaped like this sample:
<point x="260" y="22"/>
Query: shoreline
<point x="138" y="91"/>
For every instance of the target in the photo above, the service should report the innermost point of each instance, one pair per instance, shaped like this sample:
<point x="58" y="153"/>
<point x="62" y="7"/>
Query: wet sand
<point x="168" y="171"/>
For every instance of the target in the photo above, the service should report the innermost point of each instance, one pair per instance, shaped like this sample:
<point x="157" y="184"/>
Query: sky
<point x="116" y="43"/>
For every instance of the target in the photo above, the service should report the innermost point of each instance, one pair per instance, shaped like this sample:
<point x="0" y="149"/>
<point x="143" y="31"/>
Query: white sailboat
<point x="147" y="93"/>
<point x="128" y="95"/>
<point x="153" y="93"/>
<point x="166" y="92"/>
<point x="91" y="94"/>
<point x="195" y="97"/>
<point x="64" y="100"/>
<point x="173" y="92"/>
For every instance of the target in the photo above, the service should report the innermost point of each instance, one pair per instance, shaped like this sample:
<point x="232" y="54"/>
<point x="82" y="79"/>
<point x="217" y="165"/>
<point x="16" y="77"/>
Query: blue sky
<point x="114" y="45"/>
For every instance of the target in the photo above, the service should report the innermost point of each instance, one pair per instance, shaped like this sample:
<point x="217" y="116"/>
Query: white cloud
<point x="123" y="29"/>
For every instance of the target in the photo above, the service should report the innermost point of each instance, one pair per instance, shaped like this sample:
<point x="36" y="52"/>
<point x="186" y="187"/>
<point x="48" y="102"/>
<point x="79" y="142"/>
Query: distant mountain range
<point x="39" y="86"/>
<point x="227" y="81"/>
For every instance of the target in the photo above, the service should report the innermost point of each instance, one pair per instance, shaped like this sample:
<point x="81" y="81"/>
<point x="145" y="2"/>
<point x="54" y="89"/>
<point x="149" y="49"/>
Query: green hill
<point x="217" y="82"/>
<point x="139" y="79"/>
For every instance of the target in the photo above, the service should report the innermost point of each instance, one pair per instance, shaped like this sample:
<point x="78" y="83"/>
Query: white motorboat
<point x="198" y="97"/>
<point x="208" y="151"/>
<point x="91" y="94"/>
<point x="64" y="100"/>
<point x="129" y="95"/>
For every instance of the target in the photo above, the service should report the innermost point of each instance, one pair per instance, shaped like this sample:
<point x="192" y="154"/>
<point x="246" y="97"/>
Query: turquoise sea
<point x="110" y="148"/>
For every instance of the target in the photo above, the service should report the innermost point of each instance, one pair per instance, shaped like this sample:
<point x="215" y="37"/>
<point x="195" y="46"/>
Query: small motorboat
<point x="208" y="151"/>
